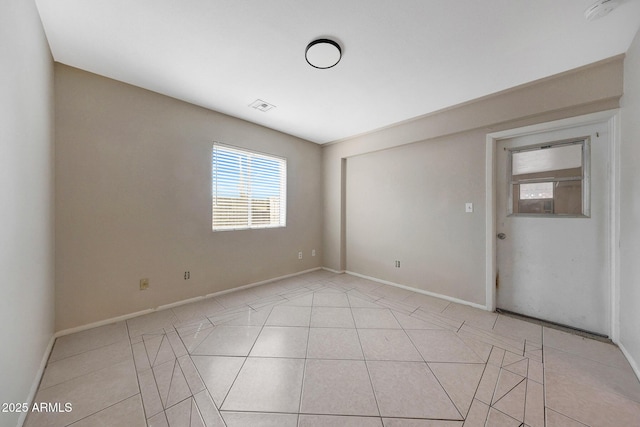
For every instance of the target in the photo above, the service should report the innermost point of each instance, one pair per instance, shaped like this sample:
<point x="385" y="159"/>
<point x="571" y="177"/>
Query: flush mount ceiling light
<point x="323" y="53"/>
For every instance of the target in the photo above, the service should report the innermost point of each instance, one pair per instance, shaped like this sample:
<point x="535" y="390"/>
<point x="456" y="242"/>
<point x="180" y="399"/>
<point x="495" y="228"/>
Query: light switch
<point x="468" y="207"/>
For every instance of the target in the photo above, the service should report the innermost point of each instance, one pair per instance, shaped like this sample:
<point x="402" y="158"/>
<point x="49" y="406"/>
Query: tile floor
<point x="323" y="349"/>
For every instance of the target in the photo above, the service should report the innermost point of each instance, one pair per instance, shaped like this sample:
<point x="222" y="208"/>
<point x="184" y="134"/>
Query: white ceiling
<point x="401" y="59"/>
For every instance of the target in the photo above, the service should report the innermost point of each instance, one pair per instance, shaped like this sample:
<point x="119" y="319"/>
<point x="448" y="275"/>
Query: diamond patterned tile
<point x="91" y="339"/>
<point x="507" y="381"/>
<point x="334" y="350"/>
<point x="499" y="419"/>
<point x="334" y="343"/>
<point x="513" y="402"/>
<point x="437" y="319"/>
<point x="266" y="385"/>
<point x="428" y="302"/>
<point x="150" y="395"/>
<point x="410" y="322"/>
<point x="477" y="415"/>
<point x="374" y="318"/>
<point x="289" y="316"/>
<point x="487" y="384"/>
<point x="218" y="374"/>
<point x="442" y="346"/>
<point x="208" y="410"/>
<point x="151" y="323"/>
<point x="228" y="341"/>
<point x="172" y="385"/>
<point x="603" y="353"/>
<point x="496" y="357"/>
<point x="406" y="422"/>
<point x="84" y="363"/>
<point x="158" y="420"/>
<point x="337" y="387"/>
<point x="460" y="381"/>
<point x="489" y="337"/>
<point x="330" y="299"/>
<point x="259" y="419"/>
<point x="534" y="405"/>
<point x="129" y="412"/>
<point x="555" y="419"/>
<point x="88" y="394"/>
<point x="519" y="329"/>
<point x="586" y="395"/>
<point x="361" y="301"/>
<point x="280" y="341"/>
<point x="338" y="421"/>
<point x="520" y="368"/>
<point x="482" y="349"/>
<point x="191" y="374"/>
<point x="332" y="317"/>
<point x="396" y="305"/>
<point x="409" y="389"/>
<point x="159" y="349"/>
<point x="301" y="301"/>
<point x="246" y="318"/>
<point x="471" y="316"/>
<point x="388" y="344"/>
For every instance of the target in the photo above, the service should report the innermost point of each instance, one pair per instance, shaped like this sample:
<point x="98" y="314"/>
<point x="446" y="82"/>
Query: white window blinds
<point x="249" y="189"/>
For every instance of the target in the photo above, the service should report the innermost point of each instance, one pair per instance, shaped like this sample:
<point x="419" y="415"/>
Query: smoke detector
<point x="600" y="9"/>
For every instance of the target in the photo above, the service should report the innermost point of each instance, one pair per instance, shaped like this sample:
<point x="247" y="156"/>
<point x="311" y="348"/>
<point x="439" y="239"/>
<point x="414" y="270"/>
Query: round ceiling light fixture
<point x="323" y="53"/>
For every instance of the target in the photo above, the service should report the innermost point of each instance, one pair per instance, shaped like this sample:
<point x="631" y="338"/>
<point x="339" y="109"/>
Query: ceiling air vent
<point x="261" y="105"/>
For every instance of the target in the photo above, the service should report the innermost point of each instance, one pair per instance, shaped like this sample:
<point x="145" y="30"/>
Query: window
<point x="249" y="189"/>
<point x="550" y="179"/>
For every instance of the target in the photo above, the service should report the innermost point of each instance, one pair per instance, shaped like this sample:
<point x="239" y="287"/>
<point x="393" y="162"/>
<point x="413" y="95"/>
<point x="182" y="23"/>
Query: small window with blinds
<point x="249" y="189"/>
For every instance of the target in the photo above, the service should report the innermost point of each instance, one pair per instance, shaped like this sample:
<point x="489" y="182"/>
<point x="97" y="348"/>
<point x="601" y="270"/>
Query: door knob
<point x="502" y="236"/>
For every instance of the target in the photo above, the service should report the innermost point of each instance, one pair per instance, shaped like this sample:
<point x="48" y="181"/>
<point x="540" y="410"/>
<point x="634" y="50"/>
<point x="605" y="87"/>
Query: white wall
<point x="133" y="200"/>
<point x="630" y="208"/>
<point x="26" y="210"/>
<point x="441" y="249"/>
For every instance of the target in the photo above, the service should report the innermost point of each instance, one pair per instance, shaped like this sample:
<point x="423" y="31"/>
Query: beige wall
<point x="26" y="213"/>
<point x="442" y="248"/>
<point x="630" y="207"/>
<point x="408" y="204"/>
<point x="133" y="188"/>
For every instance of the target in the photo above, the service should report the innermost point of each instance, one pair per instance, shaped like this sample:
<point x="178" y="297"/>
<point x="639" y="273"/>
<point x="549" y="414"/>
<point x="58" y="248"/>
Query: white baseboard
<point x="420" y="291"/>
<point x="333" y="271"/>
<point x="630" y="359"/>
<point x="252" y="285"/>
<point x="37" y="379"/>
<point x="174" y="304"/>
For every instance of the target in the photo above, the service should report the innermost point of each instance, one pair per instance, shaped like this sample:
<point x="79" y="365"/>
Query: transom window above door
<point x="550" y="179"/>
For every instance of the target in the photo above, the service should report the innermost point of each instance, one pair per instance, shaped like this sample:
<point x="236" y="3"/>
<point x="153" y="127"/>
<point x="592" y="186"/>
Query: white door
<point x="553" y="226"/>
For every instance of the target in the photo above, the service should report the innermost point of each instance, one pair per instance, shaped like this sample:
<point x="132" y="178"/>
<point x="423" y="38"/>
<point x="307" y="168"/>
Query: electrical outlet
<point x="299" y="255"/>
<point x="144" y="284"/>
<point x="187" y="275"/>
<point x="313" y="252"/>
<point x="397" y="264"/>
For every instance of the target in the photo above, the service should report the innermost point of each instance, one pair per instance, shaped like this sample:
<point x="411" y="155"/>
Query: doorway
<point x="552" y="223"/>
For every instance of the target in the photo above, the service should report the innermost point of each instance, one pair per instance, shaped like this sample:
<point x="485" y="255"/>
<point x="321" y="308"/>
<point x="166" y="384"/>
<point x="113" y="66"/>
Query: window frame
<point x="585" y="178"/>
<point x="250" y="154"/>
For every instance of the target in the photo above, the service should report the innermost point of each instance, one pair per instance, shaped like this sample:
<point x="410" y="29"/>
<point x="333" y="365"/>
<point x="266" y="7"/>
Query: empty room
<point x="366" y="213"/>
